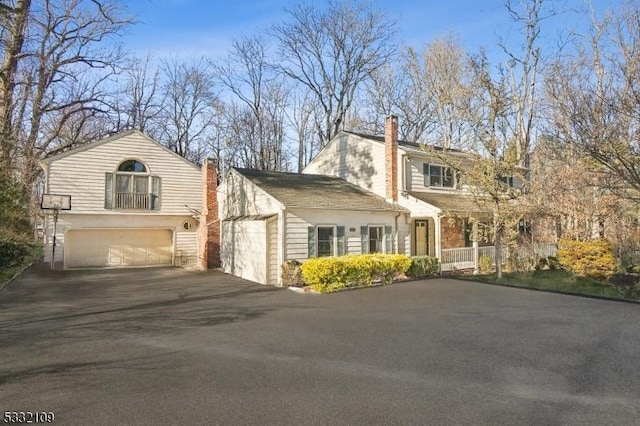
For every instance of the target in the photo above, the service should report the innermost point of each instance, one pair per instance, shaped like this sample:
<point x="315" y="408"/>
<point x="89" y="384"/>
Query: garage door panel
<point x="118" y="247"/>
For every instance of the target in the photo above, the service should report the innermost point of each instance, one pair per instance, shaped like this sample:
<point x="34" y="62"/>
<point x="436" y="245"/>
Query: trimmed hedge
<point x="326" y="274"/>
<point x="423" y="266"/>
<point x="593" y="259"/>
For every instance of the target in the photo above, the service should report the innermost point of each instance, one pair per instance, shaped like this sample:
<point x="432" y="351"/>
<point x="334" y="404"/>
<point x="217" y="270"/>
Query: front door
<point x="422" y="238"/>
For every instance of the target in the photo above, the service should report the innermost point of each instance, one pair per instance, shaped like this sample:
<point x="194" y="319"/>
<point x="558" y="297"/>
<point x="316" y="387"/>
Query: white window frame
<point x="334" y="240"/>
<point x="382" y="238"/>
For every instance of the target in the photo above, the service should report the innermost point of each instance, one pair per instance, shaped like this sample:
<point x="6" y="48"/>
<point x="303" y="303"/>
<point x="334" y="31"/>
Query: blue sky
<point x="207" y="27"/>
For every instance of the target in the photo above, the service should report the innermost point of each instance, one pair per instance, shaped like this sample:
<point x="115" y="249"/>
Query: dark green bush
<point x="423" y="266"/>
<point x="15" y="252"/>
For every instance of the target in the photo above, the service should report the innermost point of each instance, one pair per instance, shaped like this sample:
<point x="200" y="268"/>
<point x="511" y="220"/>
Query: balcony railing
<point x="131" y="201"/>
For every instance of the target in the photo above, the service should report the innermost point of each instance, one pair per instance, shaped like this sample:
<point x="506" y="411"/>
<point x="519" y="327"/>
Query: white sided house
<point x="133" y="203"/>
<point x="269" y="218"/>
<point x="442" y="210"/>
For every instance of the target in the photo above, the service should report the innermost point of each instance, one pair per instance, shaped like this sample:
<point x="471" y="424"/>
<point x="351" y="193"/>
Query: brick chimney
<point x="209" y="229"/>
<point x="391" y="157"/>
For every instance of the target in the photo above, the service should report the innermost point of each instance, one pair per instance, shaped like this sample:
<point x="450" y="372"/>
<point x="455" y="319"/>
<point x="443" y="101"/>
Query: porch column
<point x="438" y="237"/>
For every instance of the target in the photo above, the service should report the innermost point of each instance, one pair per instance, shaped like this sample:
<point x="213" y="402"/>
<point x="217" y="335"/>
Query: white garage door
<point x="89" y="248"/>
<point x="244" y="249"/>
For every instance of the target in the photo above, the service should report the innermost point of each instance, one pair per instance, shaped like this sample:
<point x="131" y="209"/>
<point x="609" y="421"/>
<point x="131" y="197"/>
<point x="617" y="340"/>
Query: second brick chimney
<point x="209" y="228"/>
<point x="391" y="157"/>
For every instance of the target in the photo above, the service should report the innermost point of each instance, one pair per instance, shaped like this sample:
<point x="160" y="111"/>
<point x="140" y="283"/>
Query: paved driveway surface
<point x="166" y="346"/>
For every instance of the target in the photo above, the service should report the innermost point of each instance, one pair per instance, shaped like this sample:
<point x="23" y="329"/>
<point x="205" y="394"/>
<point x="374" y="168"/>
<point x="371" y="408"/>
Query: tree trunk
<point x="18" y="20"/>
<point x="498" y="246"/>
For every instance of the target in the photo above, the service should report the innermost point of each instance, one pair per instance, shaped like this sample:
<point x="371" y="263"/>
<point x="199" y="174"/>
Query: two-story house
<point x="441" y="208"/>
<point x="360" y="194"/>
<point x="133" y="203"/>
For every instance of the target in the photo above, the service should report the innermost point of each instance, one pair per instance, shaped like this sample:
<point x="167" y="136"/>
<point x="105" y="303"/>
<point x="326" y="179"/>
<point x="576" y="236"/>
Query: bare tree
<point x="301" y="119"/>
<point x="14" y="20"/>
<point x="58" y="57"/>
<point x="188" y="106"/>
<point x="428" y="90"/>
<point x="496" y="165"/>
<point x="250" y="78"/>
<point x="331" y="52"/>
<point x="595" y="97"/>
<point x="138" y="104"/>
<point x="523" y="66"/>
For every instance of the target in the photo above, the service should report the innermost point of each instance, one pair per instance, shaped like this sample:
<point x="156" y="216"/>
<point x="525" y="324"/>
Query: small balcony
<point x="132" y="201"/>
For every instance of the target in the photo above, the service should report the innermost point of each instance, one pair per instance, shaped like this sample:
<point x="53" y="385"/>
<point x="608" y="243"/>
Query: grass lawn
<point x="558" y="280"/>
<point x="6" y="273"/>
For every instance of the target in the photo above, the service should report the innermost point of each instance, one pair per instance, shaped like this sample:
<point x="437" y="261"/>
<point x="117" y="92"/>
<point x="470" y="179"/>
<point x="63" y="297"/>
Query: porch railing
<point x="468" y="257"/>
<point x="457" y="258"/>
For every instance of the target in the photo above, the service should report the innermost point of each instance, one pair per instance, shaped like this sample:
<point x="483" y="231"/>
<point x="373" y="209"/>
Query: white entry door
<point x="91" y="248"/>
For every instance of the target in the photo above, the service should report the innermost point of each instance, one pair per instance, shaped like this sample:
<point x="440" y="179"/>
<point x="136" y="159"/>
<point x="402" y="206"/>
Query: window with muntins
<point x="376" y="239"/>
<point x="326" y="240"/>
<point x="132" y="187"/>
<point x="326" y="246"/>
<point x="438" y="176"/>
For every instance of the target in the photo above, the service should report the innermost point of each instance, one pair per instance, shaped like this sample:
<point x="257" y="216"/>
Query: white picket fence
<point x="467" y="257"/>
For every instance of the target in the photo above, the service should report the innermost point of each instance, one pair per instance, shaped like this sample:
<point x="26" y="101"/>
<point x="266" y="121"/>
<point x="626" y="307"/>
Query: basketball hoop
<point x="56" y="203"/>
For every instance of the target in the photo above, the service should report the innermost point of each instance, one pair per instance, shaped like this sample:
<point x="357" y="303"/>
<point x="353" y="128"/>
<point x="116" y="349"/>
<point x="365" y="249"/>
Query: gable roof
<point x="411" y="146"/>
<point x="296" y="190"/>
<point x="125" y="133"/>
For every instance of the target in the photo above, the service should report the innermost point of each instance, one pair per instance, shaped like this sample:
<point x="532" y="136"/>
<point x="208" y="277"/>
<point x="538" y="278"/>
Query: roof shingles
<point x="296" y="190"/>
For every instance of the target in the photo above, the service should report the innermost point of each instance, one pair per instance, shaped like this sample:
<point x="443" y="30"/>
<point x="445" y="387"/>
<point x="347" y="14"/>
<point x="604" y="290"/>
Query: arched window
<point x="133" y="166"/>
<point x="131" y="187"/>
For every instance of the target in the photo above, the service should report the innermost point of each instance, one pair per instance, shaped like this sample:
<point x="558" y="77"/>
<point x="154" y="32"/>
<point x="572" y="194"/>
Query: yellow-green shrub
<point x="592" y="259"/>
<point x="331" y="273"/>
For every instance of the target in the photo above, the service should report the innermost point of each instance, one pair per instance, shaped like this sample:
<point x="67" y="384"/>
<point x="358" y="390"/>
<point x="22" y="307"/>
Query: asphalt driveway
<point x="166" y="346"/>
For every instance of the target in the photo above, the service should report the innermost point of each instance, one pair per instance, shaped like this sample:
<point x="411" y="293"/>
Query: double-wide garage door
<point x="91" y="248"/>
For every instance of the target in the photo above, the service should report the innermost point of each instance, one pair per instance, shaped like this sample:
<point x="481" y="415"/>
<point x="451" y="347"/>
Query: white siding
<point x="299" y="220"/>
<point x="186" y="249"/>
<point x="415" y="175"/>
<point x="359" y="161"/>
<point x="82" y="175"/>
<point x="244" y="249"/>
<point x="184" y="241"/>
<point x="273" y="268"/>
<point x="237" y="196"/>
<point x="418" y="208"/>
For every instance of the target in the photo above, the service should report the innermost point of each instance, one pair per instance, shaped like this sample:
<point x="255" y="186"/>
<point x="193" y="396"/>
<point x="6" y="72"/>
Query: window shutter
<point x="311" y="242"/>
<point x="388" y="240"/>
<point x="364" y="238"/>
<point x="341" y="240"/>
<point x="108" y="190"/>
<point x="156" y="187"/>
<point x="425" y="172"/>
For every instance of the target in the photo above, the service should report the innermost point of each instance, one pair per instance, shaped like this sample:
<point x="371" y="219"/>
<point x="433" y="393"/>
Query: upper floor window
<point x="438" y="176"/>
<point x="508" y="180"/>
<point x="132" y="187"/>
<point x="132" y="166"/>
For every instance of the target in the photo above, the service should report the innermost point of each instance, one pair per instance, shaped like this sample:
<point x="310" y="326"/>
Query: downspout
<point x="404" y="185"/>
<point x="438" y="239"/>
<point x="395" y="237"/>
